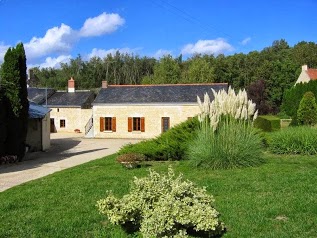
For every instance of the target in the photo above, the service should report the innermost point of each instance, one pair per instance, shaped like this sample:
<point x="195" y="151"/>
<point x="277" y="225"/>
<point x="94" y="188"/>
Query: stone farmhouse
<point x="306" y="75"/>
<point x="122" y="111"/>
<point x="70" y="110"/>
<point x="145" y="111"/>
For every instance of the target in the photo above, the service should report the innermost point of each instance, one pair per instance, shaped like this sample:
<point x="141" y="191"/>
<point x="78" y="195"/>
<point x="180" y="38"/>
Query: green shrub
<point x="235" y="143"/>
<point x="267" y="123"/>
<point x="307" y="110"/>
<point x="170" y="145"/>
<point x="294" y="140"/>
<point x="164" y="206"/>
<point x="293" y="96"/>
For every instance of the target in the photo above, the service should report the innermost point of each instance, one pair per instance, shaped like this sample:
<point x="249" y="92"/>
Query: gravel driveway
<point x="67" y="150"/>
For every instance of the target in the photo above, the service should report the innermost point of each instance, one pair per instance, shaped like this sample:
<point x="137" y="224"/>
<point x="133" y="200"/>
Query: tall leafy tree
<point x="200" y="70"/>
<point x="167" y="70"/>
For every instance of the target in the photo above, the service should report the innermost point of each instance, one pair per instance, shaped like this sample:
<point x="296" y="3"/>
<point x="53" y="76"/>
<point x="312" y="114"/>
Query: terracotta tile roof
<point x="312" y="73"/>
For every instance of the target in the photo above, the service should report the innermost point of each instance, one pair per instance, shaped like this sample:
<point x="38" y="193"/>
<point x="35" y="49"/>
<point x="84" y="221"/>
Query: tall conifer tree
<point x="14" y="101"/>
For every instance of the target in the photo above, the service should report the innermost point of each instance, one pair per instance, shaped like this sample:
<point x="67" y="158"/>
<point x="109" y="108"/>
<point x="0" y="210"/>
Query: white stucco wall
<point x="303" y="78"/>
<point x="152" y="114"/>
<point x="75" y="118"/>
<point x="38" y="135"/>
<point x="33" y="137"/>
<point x="46" y="135"/>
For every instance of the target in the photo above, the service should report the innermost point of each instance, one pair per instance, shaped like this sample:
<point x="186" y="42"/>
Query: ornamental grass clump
<point x="294" y="140"/>
<point x="226" y="137"/>
<point x="164" y="206"/>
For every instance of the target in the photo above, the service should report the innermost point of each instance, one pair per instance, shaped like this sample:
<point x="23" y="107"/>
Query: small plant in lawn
<point x="226" y="138"/>
<point x="294" y="140"/>
<point x="307" y="110"/>
<point x="164" y="206"/>
<point x="131" y="160"/>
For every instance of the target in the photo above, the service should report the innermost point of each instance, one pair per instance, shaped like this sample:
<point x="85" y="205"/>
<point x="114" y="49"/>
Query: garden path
<point x="67" y="150"/>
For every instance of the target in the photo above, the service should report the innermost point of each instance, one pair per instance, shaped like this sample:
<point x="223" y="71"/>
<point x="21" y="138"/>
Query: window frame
<point x="136" y="124"/>
<point x="163" y="121"/>
<point x="108" y="124"/>
<point x="62" y="123"/>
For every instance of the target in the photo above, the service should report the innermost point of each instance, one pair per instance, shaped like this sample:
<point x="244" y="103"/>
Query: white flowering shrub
<point x="164" y="206"/>
<point x="226" y="138"/>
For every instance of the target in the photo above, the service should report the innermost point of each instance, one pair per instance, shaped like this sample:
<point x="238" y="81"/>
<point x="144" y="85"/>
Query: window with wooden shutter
<point x="142" y="124"/>
<point x="102" y="123"/>
<point x="129" y="124"/>
<point x="114" y="124"/>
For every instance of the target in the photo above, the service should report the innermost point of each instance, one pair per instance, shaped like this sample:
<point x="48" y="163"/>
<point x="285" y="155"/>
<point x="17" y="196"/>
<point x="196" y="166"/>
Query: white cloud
<point x="246" y="41"/>
<point x="56" y="40"/>
<point x="3" y="50"/>
<point x="61" y="40"/>
<point x="52" y="62"/>
<point x="216" y="47"/>
<point x="102" y="24"/>
<point x="161" y="52"/>
<point x="103" y="53"/>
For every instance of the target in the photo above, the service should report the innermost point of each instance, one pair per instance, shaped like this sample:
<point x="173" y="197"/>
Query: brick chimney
<point x="304" y="67"/>
<point x="71" y="85"/>
<point x="104" y="84"/>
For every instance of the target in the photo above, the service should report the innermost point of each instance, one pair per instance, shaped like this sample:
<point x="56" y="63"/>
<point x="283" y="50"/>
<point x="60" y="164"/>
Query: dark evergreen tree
<point x="23" y="96"/>
<point x="3" y="122"/>
<point x="14" y="101"/>
<point x="307" y="111"/>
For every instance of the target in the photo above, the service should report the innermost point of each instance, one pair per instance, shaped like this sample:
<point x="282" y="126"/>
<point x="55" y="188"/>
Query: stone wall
<point x="75" y="118"/>
<point x="152" y="114"/>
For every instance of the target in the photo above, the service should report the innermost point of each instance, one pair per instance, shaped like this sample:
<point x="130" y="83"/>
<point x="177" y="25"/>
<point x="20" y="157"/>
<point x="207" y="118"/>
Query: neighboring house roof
<point x="168" y="93"/>
<point x="37" y="111"/>
<point x="39" y="95"/>
<point x="312" y="73"/>
<point x="71" y="99"/>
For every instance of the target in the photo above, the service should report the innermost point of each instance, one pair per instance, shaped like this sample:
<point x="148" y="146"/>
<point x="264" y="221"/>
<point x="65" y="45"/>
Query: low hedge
<point x="294" y="140"/>
<point x="267" y="123"/>
<point x="170" y="145"/>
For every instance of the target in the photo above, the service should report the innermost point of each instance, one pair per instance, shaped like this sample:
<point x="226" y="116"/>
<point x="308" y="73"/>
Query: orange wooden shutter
<point x="102" y="123"/>
<point x="142" y="124"/>
<point x="114" y="124"/>
<point x="129" y="124"/>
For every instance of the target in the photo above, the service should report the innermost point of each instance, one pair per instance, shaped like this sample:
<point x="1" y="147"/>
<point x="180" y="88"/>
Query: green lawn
<point x="276" y="199"/>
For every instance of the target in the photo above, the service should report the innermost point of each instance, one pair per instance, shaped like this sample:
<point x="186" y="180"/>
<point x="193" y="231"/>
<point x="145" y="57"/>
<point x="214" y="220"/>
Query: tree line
<point x="265" y="74"/>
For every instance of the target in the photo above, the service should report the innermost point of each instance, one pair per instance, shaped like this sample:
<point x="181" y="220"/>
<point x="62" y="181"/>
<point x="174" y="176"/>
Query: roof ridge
<point x="156" y="85"/>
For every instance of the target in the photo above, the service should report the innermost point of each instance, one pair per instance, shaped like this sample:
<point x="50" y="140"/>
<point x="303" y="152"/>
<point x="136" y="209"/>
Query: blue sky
<point x="55" y="31"/>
